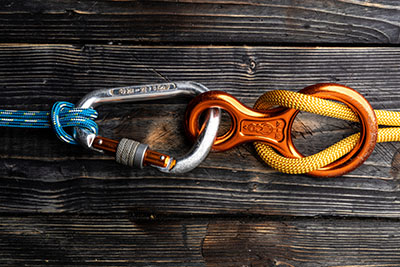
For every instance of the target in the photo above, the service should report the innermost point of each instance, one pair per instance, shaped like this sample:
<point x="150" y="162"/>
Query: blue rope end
<point x="63" y="114"/>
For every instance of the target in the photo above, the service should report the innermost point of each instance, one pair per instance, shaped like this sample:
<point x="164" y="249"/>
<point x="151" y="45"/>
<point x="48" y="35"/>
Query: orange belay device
<point x="268" y="126"/>
<point x="272" y="126"/>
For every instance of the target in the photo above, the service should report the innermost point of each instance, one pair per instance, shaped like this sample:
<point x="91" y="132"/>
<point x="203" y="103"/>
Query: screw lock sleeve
<point x="131" y="153"/>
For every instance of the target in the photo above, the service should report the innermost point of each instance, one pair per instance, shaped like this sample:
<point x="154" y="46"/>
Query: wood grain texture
<point x="67" y="240"/>
<point x="63" y="206"/>
<point x="40" y="174"/>
<point x="99" y="241"/>
<point x="222" y="21"/>
<point x="308" y="243"/>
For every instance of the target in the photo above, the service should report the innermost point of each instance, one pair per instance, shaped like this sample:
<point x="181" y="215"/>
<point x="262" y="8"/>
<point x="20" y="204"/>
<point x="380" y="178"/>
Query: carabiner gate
<point x="136" y="154"/>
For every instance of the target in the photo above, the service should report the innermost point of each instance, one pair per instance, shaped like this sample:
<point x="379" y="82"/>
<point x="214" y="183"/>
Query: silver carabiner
<point x="135" y="154"/>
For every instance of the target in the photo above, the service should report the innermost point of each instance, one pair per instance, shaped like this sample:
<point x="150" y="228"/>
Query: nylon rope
<point x="323" y="107"/>
<point x="63" y="114"/>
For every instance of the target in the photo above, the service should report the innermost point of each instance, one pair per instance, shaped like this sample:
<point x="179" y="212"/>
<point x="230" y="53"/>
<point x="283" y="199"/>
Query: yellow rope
<point x="323" y="107"/>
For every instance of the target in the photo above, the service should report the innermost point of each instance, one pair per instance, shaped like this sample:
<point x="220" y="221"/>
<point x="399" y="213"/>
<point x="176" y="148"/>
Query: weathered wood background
<point x="61" y="205"/>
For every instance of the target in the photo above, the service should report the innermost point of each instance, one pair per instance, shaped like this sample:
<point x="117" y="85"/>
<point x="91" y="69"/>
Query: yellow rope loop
<point x="306" y="164"/>
<point x="326" y="108"/>
<point x="306" y="103"/>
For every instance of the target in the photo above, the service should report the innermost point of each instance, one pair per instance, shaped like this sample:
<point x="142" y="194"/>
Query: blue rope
<point x="63" y="114"/>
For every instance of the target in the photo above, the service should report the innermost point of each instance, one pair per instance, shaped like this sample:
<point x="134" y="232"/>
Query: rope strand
<point x="63" y="114"/>
<point x="323" y="107"/>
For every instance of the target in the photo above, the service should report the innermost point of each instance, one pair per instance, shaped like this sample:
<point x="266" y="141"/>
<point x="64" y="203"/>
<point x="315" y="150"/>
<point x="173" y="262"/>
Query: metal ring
<point x="368" y="121"/>
<point x="203" y="143"/>
<point x="369" y="129"/>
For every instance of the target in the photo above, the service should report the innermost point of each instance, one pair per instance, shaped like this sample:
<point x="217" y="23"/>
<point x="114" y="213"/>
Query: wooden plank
<point x="99" y="241"/>
<point x="223" y="21"/>
<point x="68" y="72"/>
<point x="40" y="174"/>
<point x="121" y="241"/>
<point x="308" y="243"/>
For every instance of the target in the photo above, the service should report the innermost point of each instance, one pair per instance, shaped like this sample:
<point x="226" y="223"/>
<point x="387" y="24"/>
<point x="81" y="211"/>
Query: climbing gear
<point x="63" y="114"/>
<point x="268" y="126"/>
<point x="271" y="127"/>
<point x="128" y="152"/>
<point x="136" y="154"/>
<point x="314" y="163"/>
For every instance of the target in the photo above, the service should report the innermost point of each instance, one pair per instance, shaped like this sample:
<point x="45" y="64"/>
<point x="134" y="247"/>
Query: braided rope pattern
<point x="309" y="163"/>
<point x="306" y="103"/>
<point x="63" y="114"/>
<point x="322" y="107"/>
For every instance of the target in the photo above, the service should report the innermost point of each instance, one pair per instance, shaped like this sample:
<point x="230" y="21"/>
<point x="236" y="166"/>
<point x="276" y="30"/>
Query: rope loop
<point x="63" y="114"/>
<point x="323" y="107"/>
